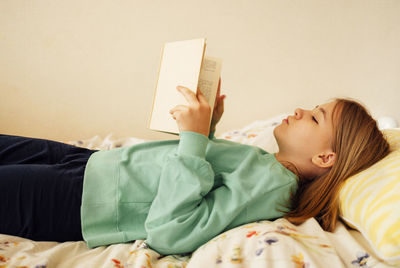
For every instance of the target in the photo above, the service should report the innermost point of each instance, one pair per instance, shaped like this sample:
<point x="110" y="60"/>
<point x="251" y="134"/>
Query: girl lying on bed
<point x="179" y="194"/>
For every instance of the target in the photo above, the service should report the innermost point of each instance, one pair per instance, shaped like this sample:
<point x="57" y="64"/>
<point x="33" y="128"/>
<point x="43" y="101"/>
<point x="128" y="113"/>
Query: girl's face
<point x="307" y="136"/>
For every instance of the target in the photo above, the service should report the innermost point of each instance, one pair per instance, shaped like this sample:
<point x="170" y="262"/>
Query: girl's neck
<point x="287" y="163"/>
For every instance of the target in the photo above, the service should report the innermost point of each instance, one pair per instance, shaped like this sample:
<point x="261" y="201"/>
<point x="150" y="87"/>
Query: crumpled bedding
<point x="260" y="244"/>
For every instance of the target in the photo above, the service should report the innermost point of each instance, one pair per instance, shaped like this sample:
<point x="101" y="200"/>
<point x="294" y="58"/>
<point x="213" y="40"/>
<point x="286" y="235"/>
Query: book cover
<point x="182" y="63"/>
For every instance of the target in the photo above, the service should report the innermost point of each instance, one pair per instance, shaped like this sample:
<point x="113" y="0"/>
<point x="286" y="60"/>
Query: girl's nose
<point x="298" y="113"/>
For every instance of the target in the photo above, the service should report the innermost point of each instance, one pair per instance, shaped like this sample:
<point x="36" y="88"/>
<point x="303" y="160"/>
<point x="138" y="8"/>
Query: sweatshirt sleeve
<point x="183" y="214"/>
<point x="211" y="136"/>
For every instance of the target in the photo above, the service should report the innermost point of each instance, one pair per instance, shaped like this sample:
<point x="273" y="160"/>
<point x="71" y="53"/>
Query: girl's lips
<point x="286" y="121"/>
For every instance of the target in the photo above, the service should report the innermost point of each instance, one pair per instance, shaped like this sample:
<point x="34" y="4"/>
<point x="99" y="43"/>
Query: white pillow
<point x="258" y="133"/>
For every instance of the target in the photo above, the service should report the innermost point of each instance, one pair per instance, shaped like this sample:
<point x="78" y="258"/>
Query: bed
<point x="354" y="243"/>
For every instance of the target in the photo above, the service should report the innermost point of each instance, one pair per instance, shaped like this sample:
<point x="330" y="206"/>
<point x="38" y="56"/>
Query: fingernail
<point x="178" y="87"/>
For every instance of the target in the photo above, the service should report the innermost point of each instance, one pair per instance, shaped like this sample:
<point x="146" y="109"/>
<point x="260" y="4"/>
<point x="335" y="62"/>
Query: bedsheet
<point x="260" y="244"/>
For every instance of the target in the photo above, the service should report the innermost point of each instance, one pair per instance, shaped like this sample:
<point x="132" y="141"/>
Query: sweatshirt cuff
<point x="192" y="143"/>
<point x="211" y="136"/>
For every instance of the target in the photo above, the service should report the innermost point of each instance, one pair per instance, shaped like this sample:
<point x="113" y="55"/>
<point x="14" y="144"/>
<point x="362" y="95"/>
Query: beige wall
<point x="74" y="69"/>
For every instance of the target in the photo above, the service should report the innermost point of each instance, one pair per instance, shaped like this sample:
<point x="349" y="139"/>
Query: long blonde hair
<point x="358" y="144"/>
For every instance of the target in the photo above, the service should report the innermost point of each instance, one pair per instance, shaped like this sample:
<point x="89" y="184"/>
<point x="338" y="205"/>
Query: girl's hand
<point x="195" y="116"/>
<point x="218" y="108"/>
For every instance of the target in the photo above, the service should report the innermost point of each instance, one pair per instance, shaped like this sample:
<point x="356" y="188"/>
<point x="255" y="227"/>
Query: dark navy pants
<point x="41" y="188"/>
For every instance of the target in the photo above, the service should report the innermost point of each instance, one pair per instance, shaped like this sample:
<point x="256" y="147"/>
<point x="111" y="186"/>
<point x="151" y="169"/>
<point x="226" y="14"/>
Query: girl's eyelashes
<point x="315" y="120"/>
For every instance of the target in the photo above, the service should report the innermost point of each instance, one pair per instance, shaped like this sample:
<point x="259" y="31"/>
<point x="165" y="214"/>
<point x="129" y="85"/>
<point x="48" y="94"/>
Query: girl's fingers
<point x="221" y="106"/>
<point x="177" y="108"/>
<point x="201" y="96"/>
<point x="218" y="97"/>
<point x="219" y="87"/>
<point x="219" y="101"/>
<point x="188" y="94"/>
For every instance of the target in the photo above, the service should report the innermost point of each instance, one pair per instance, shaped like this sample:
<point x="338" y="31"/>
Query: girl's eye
<point x="315" y="120"/>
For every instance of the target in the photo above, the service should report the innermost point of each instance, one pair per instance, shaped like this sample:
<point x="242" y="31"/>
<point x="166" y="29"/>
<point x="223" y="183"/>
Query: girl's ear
<point x="324" y="159"/>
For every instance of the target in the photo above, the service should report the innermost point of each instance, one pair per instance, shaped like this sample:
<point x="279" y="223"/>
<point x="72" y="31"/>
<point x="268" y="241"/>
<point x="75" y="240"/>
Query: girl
<point x="179" y="194"/>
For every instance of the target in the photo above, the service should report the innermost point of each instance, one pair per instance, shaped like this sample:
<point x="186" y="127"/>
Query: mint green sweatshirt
<point x="179" y="194"/>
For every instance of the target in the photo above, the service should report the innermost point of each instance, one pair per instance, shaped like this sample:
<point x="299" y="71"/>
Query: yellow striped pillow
<point x="370" y="202"/>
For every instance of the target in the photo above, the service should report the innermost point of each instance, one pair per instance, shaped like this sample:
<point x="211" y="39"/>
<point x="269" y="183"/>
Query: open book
<point x="182" y="63"/>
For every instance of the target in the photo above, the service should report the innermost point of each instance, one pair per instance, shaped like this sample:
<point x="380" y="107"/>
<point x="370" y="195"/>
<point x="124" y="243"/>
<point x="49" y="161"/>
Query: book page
<point x="180" y="65"/>
<point x="209" y="78"/>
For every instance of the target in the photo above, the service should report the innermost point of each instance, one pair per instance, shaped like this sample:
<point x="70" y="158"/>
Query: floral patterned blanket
<point x="261" y="244"/>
